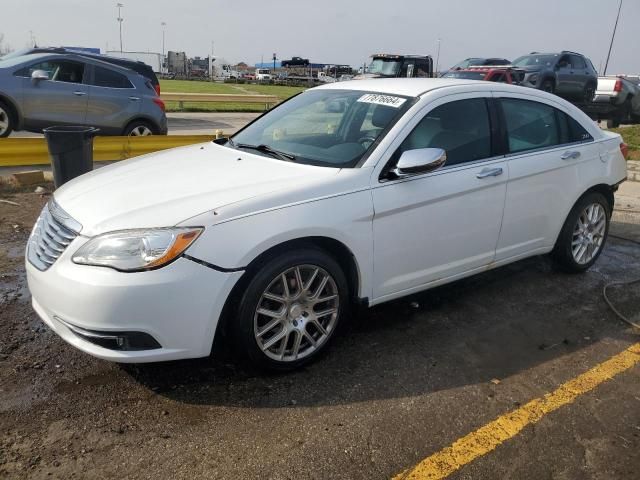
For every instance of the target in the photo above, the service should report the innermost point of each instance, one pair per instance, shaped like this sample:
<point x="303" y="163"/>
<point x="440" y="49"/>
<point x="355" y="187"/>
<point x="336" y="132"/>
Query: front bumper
<point x="178" y="305"/>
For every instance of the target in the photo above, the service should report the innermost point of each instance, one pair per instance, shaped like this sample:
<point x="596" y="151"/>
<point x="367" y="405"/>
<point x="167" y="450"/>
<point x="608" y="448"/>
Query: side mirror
<point x="420" y="160"/>
<point x="38" y="75"/>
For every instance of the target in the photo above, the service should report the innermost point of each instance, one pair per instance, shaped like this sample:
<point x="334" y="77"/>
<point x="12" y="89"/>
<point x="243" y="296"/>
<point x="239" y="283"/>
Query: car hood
<point x="165" y="188"/>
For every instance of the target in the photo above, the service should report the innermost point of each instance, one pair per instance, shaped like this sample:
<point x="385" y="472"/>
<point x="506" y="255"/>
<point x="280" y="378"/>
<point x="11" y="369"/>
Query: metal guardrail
<point x="267" y="100"/>
<point x="15" y="152"/>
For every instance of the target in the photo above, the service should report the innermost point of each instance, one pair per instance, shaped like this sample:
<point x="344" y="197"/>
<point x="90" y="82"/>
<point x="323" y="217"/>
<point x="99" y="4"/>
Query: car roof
<point x="410" y="87"/>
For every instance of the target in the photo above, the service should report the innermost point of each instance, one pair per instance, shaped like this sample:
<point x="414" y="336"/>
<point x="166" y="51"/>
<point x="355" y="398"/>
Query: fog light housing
<point x="122" y="341"/>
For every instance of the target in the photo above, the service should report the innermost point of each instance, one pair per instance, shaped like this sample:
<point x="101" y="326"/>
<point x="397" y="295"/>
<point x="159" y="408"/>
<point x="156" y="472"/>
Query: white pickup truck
<point x="618" y="98"/>
<point x="263" y="74"/>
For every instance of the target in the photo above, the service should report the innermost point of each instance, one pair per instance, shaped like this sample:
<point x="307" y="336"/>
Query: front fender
<point x="347" y="218"/>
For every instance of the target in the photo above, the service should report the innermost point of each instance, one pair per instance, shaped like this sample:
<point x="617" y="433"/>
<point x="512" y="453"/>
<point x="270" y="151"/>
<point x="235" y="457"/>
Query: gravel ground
<point x="403" y="381"/>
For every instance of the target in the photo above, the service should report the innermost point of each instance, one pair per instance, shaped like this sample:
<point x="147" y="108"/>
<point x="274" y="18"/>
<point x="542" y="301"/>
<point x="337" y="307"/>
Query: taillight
<point x="158" y="101"/>
<point x="618" y="86"/>
<point x="157" y="88"/>
<point x="624" y="148"/>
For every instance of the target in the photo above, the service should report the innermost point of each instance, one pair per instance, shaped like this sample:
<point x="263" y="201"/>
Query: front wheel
<point x="6" y="121"/>
<point x="291" y="309"/>
<point x="584" y="233"/>
<point x="548" y="86"/>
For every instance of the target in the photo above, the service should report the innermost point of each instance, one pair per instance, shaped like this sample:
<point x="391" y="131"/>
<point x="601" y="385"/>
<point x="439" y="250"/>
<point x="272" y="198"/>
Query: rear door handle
<point x="134" y="99"/>
<point x="570" y="154"/>
<point x="489" y="172"/>
<point x="79" y="94"/>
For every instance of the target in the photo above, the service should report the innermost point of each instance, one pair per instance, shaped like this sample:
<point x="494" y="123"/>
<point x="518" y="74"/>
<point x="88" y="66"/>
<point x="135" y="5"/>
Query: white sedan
<point x="353" y="193"/>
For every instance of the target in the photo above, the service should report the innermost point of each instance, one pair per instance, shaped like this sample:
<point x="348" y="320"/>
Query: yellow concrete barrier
<point x="15" y="152"/>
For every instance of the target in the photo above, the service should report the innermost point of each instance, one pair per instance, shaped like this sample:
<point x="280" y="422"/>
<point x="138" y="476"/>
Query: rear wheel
<point x="6" y="121"/>
<point x="140" y="128"/>
<point x="589" y="93"/>
<point x="613" y="122"/>
<point x="583" y="234"/>
<point x="290" y="310"/>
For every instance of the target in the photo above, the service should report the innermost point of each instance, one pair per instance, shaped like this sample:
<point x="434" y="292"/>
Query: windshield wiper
<point x="267" y="149"/>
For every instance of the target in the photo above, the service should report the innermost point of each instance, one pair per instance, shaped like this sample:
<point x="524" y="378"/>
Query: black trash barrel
<point x="70" y="151"/>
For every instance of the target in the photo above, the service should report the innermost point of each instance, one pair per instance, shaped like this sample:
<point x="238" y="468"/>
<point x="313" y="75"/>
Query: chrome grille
<point x="53" y="232"/>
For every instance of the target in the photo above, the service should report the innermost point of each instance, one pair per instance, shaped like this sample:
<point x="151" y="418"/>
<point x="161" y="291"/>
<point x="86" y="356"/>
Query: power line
<point x="613" y="35"/>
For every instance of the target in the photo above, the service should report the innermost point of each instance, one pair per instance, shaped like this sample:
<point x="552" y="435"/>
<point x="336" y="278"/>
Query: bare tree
<point x="4" y="47"/>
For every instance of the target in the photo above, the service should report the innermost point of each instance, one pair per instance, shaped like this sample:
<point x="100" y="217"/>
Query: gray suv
<point x="41" y="90"/>
<point x="567" y="74"/>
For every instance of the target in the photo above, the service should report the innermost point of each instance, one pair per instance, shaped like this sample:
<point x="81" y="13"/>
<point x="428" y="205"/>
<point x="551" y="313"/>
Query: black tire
<point x="589" y="93"/>
<point x="548" y="86"/>
<point x="563" y="251"/>
<point x="6" y="120"/>
<point x="244" y="327"/>
<point x="136" y="127"/>
<point x="613" y="122"/>
<point x="627" y="108"/>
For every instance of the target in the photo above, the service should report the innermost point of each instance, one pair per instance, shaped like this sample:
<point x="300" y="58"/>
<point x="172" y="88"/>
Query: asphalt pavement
<point x="404" y="381"/>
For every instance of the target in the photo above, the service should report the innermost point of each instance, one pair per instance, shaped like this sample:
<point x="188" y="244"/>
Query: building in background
<point x="177" y="63"/>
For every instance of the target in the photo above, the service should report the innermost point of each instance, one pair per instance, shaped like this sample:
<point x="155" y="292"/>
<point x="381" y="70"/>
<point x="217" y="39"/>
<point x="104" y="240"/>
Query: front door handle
<point x="569" y="154"/>
<point x="79" y="94"/>
<point x="489" y="172"/>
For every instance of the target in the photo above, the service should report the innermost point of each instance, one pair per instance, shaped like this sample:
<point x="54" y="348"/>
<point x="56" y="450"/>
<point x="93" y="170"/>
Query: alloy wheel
<point x="296" y="313"/>
<point x="588" y="233"/>
<point x="140" y="131"/>
<point x="4" y="121"/>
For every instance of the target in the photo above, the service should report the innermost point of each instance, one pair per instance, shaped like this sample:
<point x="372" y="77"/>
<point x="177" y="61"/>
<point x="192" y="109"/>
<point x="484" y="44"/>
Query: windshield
<point x="532" y="60"/>
<point x="383" y="66"/>
<point x="324" y="127"/>
<point x="466" y="75"/>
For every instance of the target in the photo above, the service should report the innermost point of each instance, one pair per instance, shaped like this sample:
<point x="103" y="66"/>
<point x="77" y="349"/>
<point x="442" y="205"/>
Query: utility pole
<point x="163" y="24"/>
<point x="211" y="60"/>
<point x="32" y="38"/>
<point x="613" y="35"/>
<point x="120" y="20"/>
<point x="274" y="63"/>
<point x="438" y="59"/>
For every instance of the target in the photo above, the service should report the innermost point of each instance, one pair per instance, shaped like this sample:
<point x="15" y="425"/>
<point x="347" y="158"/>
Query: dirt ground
<point x="403" y="381"/>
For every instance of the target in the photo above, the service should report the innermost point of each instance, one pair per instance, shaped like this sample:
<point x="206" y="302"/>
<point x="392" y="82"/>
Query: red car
<point x="488" y="73"/>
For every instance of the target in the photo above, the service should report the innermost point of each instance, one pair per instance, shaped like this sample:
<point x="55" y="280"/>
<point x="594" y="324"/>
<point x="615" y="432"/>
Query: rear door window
<point x="570" y="129"/>
<point x="104" y="77"/>
<point x="577" y="62"/>
<point x="530" y="125"/>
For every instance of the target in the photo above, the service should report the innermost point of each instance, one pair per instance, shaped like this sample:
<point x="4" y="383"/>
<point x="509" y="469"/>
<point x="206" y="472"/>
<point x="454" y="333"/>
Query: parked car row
<point x="44" y="87"/>
<point x="569" y="75"/>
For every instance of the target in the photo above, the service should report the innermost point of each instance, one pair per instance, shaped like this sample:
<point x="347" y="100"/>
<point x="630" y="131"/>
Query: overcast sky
<point x="335" y="31"/>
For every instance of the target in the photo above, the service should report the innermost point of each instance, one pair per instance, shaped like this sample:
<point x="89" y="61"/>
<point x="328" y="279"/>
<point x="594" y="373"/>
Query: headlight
<point x="533" y="78"/>
<point x="135" y="250"/>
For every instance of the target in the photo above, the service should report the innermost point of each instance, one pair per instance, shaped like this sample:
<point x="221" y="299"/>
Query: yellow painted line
<point x="489" y="437"/>
<point x="16" y="152"/>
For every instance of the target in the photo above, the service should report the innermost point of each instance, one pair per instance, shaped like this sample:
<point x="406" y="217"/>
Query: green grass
<point x="186" y="86"/>
<point x="631" y="136"/>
